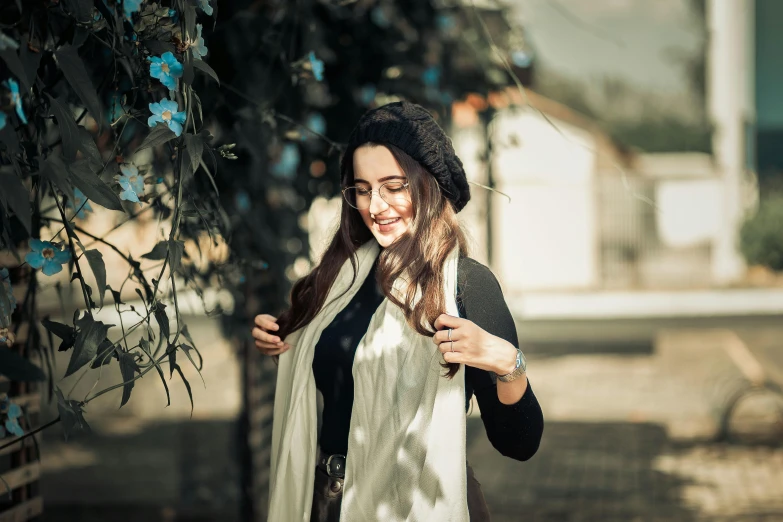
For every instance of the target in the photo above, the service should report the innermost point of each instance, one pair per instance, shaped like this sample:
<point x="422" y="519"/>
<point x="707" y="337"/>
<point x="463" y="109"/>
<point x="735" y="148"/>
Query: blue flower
<point x="286" y="165"/>
<point x="7" y="43"/>
<point x="166" y="68"/>
<point x="131" y="182"/>
<point x="431" y="76"/>
<point x="378" y="16"/>
<point x="316" y="123"/>
<point x="199" y="47"/>
<point x="242" y="201"/>
<point x="204" y="5"/>
<point x="46" y="256"/>
<point x="167" y="112"/>
<point x="130" y="7"/>
<point x="3" y="120"/>
<point x="445" y="22"/>
<point x="80" y="203"/>
<point x="367" y="94"/>
<point x="12" y="423"/>
<point x="521" y="58"/>
<point x="16" y="98"/>
<point x="317" y="66"/>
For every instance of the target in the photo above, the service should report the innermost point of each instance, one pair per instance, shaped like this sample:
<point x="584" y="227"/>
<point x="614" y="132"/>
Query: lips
<point x="386" y="225"/>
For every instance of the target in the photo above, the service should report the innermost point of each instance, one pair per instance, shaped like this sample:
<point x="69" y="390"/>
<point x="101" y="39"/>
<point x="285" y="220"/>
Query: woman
<point x="397" y="329"/>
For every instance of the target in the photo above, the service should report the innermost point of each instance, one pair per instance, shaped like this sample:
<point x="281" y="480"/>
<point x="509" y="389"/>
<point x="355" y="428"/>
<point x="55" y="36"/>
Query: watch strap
<point x="519" y="370"/>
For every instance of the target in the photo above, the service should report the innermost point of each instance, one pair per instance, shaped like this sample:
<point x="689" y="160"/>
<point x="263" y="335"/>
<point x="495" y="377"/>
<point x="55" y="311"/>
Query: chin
<point x="386" y="239"/>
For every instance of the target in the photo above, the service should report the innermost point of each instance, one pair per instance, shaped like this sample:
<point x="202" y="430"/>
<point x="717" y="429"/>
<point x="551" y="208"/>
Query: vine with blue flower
<point x="103" y="122"/>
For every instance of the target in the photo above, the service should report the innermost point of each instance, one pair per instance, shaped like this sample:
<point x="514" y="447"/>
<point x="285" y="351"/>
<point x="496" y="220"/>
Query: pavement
<point x="630" y="433"/>
<point x="632" y="409"/>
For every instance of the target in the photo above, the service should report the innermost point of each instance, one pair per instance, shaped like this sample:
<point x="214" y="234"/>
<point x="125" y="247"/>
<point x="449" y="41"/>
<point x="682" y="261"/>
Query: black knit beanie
<point x="412" y="129"/>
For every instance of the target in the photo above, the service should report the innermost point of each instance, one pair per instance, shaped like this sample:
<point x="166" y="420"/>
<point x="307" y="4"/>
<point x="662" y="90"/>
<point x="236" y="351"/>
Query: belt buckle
<point x="336" y="473"/>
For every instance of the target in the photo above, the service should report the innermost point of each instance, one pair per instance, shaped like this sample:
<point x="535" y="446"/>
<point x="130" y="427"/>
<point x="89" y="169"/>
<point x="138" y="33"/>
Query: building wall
<point x="545" y="238"/>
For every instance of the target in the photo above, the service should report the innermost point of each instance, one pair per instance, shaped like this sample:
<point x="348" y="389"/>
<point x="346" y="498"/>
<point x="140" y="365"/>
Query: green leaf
<point x="17" y="368"/>
<point x="55" y="172"/>
<point x="71" y="415"/>
<point x="91" y="334"/>
<point x="195" y="148"/>
<point x="89" y="149"/>
<point x="189" y="16"/>
<point x="163" y="319"/>
<point x="159" y="135"/>
<point x="128" y="368"/>
<point x="186" y="350"/>
<point x="95" y="258"/>
<point x="187" y="68"/>
<point x="187" y="385"/>
<point x="116" y="295"/>
<point x="13" y="62"/>
<point x="176" y="250"/>
<point x="106" y="352"/>
<point x="15" y="196"/>
<point x="159" y="47"/>
<point x="172" y="351"/>
<point x="76" y="73"/>
<point x="63" y="331"/>
<point x="204" y="67"/>
<point x="145" y="346"/>
<point x="158" y="252"/>
<point x="80" y="9"/>
<point x="69" y="132"/>
<point x="9" y="137"/>
<point x="86" y="180"/>
<point x="31" y="61"/>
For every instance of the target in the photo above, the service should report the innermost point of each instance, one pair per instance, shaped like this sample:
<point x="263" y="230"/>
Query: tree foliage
<point x="222" y="126"/>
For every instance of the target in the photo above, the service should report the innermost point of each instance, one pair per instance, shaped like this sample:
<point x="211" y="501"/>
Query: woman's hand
<point x="266" y="342"/>
<point x="473" y="346"/>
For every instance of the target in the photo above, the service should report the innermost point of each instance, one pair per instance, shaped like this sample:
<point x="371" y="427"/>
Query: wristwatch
<point x="518" y="370"/>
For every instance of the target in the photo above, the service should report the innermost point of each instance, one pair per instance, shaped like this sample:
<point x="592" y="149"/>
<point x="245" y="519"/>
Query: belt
<point x="333" y="465"/>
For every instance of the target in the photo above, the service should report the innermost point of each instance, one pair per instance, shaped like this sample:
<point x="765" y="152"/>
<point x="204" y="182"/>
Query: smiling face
<point x="374" y="165"/>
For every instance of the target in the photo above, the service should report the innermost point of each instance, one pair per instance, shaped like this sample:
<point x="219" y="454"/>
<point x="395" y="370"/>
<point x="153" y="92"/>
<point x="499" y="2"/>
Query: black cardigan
<point x="514" y="430"/>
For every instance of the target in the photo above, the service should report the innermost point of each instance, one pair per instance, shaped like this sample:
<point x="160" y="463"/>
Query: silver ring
<point x="451" y="346"/>
<point x="449" y="334"/>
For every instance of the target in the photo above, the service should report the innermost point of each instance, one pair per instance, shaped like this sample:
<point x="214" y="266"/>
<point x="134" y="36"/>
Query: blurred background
<point x="639" y="248"/>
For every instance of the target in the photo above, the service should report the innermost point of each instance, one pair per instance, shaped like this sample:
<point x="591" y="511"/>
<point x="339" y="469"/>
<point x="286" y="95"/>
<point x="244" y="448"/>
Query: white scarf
<point x="406" y="445"/>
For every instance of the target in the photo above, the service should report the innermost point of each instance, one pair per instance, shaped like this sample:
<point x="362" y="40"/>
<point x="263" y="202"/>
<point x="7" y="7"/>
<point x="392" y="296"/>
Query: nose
<point x="377" y="204"/>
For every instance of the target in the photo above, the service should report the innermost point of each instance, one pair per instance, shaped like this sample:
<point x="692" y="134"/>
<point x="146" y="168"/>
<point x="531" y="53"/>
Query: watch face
<point x="521" y="362"/>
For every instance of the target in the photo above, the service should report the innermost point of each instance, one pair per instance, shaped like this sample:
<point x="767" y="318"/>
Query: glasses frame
<point x="405" y="184"/>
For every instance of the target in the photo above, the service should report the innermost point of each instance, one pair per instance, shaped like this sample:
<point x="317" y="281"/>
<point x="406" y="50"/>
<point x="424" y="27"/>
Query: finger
<point x="455" y="357"/>
<point x="267" y="322"/>
<point x="448" y="347"/>
<point x="265" y="337"/>
<point x="447" y="321"/>
<point x="442" y="336"/>
<point x="266" y="349"/>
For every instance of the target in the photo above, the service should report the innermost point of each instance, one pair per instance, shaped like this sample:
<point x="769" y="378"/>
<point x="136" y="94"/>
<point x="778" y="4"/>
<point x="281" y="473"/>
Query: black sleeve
<point x="513" y="429"/>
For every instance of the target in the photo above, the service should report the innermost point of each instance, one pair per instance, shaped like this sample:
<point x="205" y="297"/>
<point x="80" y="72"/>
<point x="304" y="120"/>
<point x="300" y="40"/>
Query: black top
<point x="514" y="430"/>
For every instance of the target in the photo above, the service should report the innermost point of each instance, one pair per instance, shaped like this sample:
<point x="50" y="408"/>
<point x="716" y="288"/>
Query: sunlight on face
<point x="374" y="165"/>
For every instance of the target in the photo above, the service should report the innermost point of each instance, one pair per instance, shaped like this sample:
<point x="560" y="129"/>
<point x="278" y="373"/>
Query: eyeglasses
<point x="392" y="192"/>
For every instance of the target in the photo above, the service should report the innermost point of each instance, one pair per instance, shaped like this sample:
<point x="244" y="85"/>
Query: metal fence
<point x="634" y="254"/>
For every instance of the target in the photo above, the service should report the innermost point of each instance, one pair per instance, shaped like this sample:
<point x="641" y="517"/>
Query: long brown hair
<point x="419" y="254"/>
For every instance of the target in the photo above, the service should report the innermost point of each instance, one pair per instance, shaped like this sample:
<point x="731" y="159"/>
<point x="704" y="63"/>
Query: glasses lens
<point x="357" y="197"/>
<point x="394" y="192"/>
